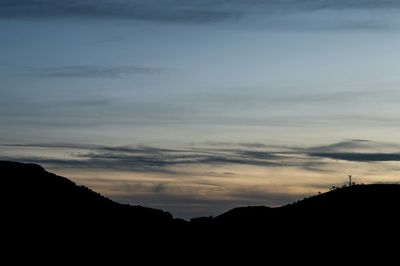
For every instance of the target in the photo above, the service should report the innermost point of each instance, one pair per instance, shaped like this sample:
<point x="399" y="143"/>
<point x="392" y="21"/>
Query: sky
<point x="199" y="106"/>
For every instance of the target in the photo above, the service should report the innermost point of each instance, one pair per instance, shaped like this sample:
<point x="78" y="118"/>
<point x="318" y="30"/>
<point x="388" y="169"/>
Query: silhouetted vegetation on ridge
<point x="32" y="193"/>
<point x="44" y="204"/>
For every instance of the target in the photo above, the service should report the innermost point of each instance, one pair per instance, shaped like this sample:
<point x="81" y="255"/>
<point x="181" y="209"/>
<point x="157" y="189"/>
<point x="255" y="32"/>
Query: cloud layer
<point x="163" y="11"/>
<point x="153" y="159"/>
<point x="210" y="178"/>
<point x="90" y="71"/>
<point x="360" y="157"/>
<point x="178" y="11"/>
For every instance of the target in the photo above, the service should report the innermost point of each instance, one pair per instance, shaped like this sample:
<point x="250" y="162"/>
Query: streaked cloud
<point x="90" y="71"/>
<point x="274" y="12"/>
<point x="358" y="150"/>
<point x="162" y="11"/>
<point x="154" y="159"/>
<point x="360" y="157"/>
<point x="210" y="178"/>
<point x="190" y="206"/>
<point x="357" y="146"/>
<point x="149" y="158"/>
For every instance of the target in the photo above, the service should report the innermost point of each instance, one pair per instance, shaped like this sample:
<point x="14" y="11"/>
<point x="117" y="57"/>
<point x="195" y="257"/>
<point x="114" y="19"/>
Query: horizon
<point x="195" y="107"/>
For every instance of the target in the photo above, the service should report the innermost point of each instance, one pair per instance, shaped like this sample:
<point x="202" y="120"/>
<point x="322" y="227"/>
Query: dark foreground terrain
<point x="38" y="205"/>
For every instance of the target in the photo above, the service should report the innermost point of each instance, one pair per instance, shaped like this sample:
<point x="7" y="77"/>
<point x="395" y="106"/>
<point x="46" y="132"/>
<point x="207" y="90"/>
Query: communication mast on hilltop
<point x="350" y="181"/>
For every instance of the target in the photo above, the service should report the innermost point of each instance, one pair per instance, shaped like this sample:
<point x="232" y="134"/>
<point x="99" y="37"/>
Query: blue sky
<point x="243" y="76"/>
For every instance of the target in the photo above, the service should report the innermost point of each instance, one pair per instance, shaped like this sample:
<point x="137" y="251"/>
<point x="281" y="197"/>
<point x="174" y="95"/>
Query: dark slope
<point x="360" y="198"/>
<point x="242" y="215"/>
<point x="42" y="212"/>
<point x="29" y="192"/>
<point x="29" y="189"/>
<point x="347" y="202"/>
<point x="358" y="221"/>
<point x="353" y="215"/>
<point x="36" y="204"/>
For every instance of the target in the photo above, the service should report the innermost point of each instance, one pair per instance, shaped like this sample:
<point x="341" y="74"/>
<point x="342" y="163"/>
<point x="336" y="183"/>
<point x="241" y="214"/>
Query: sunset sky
<point x="199" y="106"/>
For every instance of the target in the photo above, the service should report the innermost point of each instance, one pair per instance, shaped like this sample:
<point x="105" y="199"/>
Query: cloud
<point x="55" y="145"/>
<point x="259" y="155"/>
<point x="334" y="97"/>
<point x="356" y="146"/>
<point x="153" y="159"/>
<point x="177" y="11"/>
<point x="185" y="182"/>
<point x="91" y="71"/>
<point x="191" y="201"/>
<point x="357" y="150"/>
<point x="193" y="205"/>
<point x="257" y="97"/>
<point x="358" y="25"/>
<point x="150" y="159"/>
<point x="343" y="145"/>
<point x="360" y="157"/>
<point x="151" y="10"/>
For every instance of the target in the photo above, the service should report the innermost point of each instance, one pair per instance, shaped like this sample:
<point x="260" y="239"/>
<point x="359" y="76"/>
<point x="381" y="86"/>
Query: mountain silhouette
<point x="37" y="204"/>
<point x="29" y="188"/>
<point x="355" y="202"/>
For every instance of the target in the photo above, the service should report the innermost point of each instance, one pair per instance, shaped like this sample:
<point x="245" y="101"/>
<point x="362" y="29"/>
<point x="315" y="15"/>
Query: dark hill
<point x="30" y="192"/>
<point x="362" y="219"/>
<point x="37" y="205"/>
<point x="362" y="203"/>
<point x="351" y="216"/>
<point x="362" y="198"/>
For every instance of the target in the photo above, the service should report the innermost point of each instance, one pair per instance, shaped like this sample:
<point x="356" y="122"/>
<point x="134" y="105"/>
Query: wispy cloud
<point x="358" y="150"/>
<point x="359" y="157"/>
<point x="55" y="145"/>
<point x="189" y="206"/>
<point x="163" y="11"/>
<point x="356" y="145"/>
<point x="153" y="159"/>
<point x="347" y="145"/>
<point x="90" y="71"/>
<point x="148" y="158"/>
<point x="204" y="180"/>
<point x="258" y="98"/>
<point x="178" y="11"/>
